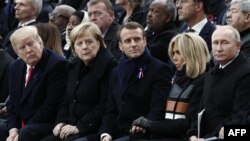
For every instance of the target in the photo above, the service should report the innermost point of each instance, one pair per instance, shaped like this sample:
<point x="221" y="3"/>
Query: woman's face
<point x="86" y="47"/>
<point x="73" y="22"/>
<point x="178" y="59"/>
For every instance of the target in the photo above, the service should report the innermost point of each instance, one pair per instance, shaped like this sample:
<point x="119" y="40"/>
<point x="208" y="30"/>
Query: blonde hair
<point x="194" y="50"/>
<point x="82" y="28"/>
<point x="23" y="33"/>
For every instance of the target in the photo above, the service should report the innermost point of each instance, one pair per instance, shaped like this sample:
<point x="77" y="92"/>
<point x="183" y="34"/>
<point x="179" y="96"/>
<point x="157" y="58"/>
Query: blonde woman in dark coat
<point x="87" y="90"/>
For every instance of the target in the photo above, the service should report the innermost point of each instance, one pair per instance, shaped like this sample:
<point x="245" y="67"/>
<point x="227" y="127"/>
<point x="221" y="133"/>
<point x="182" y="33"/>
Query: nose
<point x="133" y="43"/>
<point x="149" y="13"/>
<point x="16" y="6"/>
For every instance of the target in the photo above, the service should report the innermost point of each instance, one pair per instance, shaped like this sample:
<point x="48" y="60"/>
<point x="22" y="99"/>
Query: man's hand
<point x="68" y="130"/>
<point x="221" y="133"/>
<point x="194" y="138"/>
<point x="57" y="129"/>
<point x="13" y="135"/>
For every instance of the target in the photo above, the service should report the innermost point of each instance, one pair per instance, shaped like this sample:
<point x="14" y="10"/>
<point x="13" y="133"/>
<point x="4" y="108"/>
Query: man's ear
<point x="199" y="6"/>
<point x="120" y="46"/>
<point x="247" y="18"/>
<point x="168" y="18"/>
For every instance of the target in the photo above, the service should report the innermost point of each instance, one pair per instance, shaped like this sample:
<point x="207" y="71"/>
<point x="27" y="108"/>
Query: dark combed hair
<point x="130" y="25"/>
<point x="79" y="14"/>
<point x="206" y="5"/>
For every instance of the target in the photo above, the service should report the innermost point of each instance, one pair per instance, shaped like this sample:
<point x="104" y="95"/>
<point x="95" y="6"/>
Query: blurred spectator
<point x="238" y="16"/>
<point x="134" y="11"/>
<point x="73" y="3"/>
<point x="5" y="60"/>
<point x="101" y="13"/>
<point x="60" y="17"/>
<point x="194" y="15"/>
<point x="26" y="12"/>
<point x="51" y="37"/>
<point x="75" y="19"/>
<point x="161" y="29"/>
<point x="217" y="12"/>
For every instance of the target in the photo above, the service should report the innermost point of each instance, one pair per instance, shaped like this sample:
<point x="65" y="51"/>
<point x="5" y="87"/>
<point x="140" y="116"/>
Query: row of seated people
<point x="135" y="99"/>
<point x="155" y="29"/>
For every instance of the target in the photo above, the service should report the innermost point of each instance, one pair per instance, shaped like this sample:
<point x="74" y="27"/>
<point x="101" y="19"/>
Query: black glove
<point x="142" y="122"/>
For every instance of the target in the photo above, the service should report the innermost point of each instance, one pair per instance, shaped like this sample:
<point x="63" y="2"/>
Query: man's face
<point x="157" y="15"/>
<point x="132" y="42"/>
<point x="224" y="46"/>
<point x="29" y="50"/>
<point x="100" y="15"/>
<point x="58" y="19"/>
<point x="186" y="9"/>
<point x="24" y="10"/>
<point x="235" y="17"/>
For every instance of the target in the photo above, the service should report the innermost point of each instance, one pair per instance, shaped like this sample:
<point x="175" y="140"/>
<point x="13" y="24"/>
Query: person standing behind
<point x="37" y="82"/>
<point x="140" y="85"/>
<point x="238" y="16"/>
<point x="161" y="29"/>
<point x="194" y="15"/>
<point x="26" y="12"/>
<point x="50" y="35"/>
<point x="134" y="12"/>
<point x="84" y="104"/>
<point x="101" y="13"/>
<point x="221" y="106"/>
<point x="5" y="60"/>
<point x="60" y="18"/>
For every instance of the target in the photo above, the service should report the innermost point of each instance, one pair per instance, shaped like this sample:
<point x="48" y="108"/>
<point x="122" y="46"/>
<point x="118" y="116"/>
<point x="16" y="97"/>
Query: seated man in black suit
<point x="226" y="86"/>
<point x="37" y="82"/>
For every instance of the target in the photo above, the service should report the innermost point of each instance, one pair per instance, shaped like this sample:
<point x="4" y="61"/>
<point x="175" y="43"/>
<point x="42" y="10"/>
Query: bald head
<point x="60" y="16"/>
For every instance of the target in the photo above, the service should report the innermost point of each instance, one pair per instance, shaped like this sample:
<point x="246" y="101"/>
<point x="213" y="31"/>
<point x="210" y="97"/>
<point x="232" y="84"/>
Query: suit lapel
<point x="33" y="80"/>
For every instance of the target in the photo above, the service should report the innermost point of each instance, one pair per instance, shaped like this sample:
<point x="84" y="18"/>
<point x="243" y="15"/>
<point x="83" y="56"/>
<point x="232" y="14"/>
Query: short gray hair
<point x="38" y="4"/>
<point x="171" y="9"/>
<point x="244" y="5"/>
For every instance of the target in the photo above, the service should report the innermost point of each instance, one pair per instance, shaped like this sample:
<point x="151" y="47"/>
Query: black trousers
<point x="54" y="138"/>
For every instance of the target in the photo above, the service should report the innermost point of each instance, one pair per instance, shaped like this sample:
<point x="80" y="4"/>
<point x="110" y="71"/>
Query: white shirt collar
<point x="223" y="66"/>
<point x="198" y="27"/>
<point x="26" y="23"/>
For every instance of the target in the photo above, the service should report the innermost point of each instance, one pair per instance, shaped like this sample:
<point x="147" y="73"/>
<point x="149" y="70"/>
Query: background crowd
<point x="123" y="70"/>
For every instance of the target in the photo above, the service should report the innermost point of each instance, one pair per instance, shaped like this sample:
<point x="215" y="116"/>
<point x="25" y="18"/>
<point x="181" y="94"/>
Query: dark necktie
<point x="190" y="30"/>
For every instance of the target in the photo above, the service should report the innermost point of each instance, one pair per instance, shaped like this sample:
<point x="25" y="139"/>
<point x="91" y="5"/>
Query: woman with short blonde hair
<point x="194" y="50"/>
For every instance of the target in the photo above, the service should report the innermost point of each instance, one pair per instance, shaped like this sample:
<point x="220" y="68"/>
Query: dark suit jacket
<point x="38" y="101"/>
<point x="138" y="15"/>
<point x="205" y="33"/>
<point x="136" y="97"/>
<point x="5" y="60"/>
<point x="87" y="92"/>
<point x="225" y="95"/>
<point x="245" y="43"/>
<point x="111" y="40"/>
